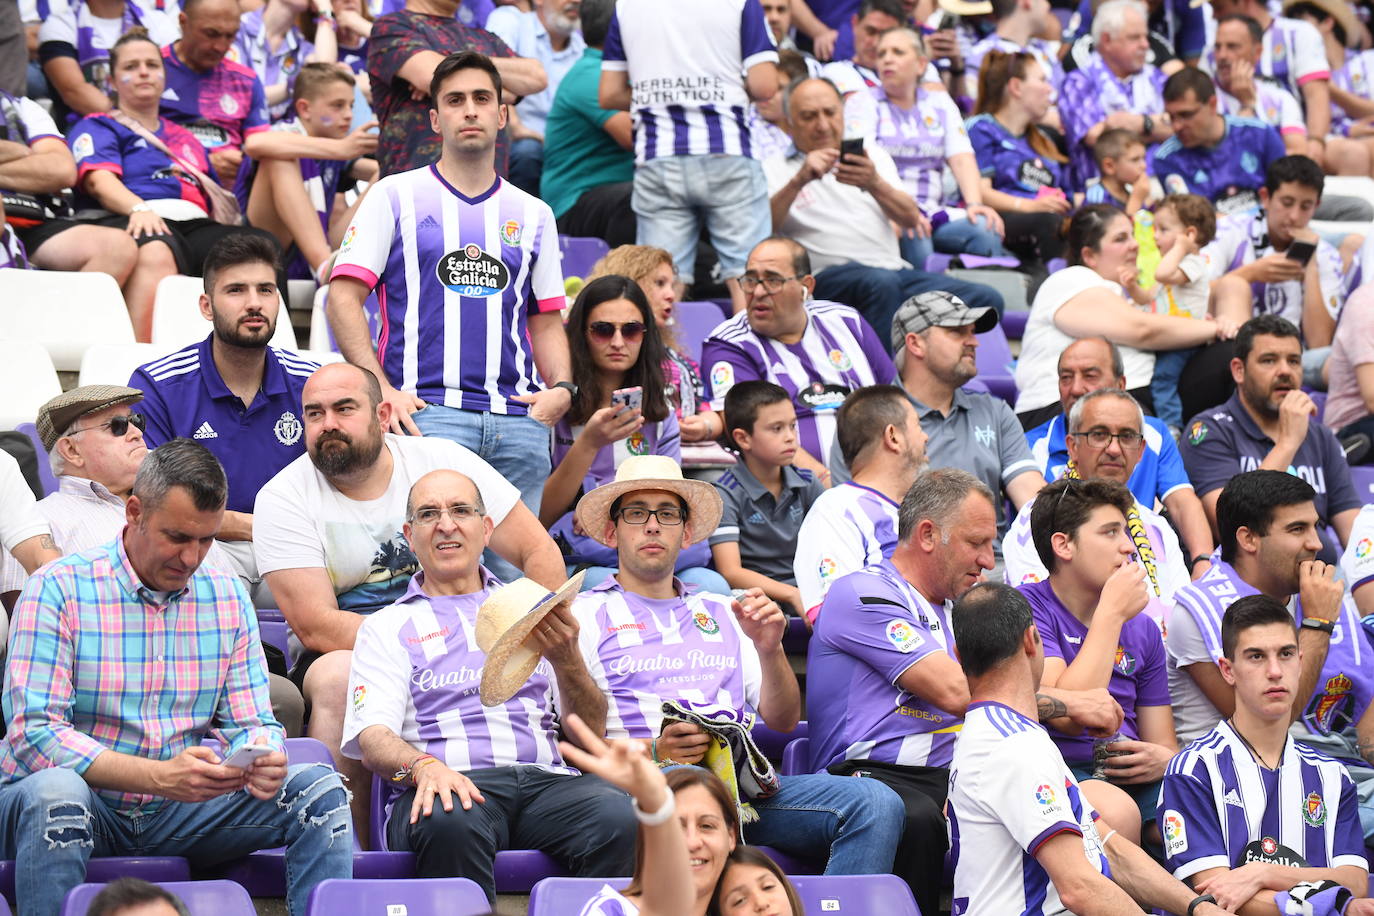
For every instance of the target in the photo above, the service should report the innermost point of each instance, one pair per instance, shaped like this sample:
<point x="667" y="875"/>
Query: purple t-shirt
<point x="873" y="626"/>
<point x="641" y="651"/>
<point x="1094" y="92"/>
<point x="1011" y="163"/>
<point x="221" y="107"/>
<point x="1140" y="676"/>
<point x="99" y="143"/>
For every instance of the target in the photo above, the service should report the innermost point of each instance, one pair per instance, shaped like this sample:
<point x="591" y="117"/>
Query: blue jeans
<point x="878" y="293"/>
<point x="51" y="823"/>
<point x="518" y="447"/>
<point x="858" y="821"/>
<point x="1164" y="385"/>
<point x="674" y="195"/>
<point x="958" y="236"/>
<point x="526" y="164"/>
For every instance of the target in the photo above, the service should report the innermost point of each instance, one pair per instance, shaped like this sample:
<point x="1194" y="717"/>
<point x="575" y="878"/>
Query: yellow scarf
<point x="1139" y="537"/>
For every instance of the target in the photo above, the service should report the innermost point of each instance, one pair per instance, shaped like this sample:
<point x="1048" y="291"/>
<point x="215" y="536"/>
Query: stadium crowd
<point x="545" y="562"/>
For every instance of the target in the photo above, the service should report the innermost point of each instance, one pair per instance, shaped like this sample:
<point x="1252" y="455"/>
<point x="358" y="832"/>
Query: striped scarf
<point x="1144" y="552"/>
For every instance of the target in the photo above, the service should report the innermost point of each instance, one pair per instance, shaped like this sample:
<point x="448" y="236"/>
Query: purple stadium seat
<point x="796" y="757"/>
<point x="202" y="898"/>
<point x="413" y="897"/>
<point x="994" y="353"/>
<point x="580" y="254"/>
<point x="1014" y="324"/>
<point x="937" y="263"/>
<point x="693" y="323"/>
<point x="561" y="896"/>
<point x="773" y="743"/>
<point x="45" y="474"/>
<point x="104" y="870"/>
<point x="886" y="894"/>
<point x="274" y="633"/>
<point x="1362" y="476"/>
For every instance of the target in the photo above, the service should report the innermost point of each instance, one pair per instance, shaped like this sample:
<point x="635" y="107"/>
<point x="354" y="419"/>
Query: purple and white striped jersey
<point x="456" y="278"/>
<point x="920" y="141"/>
<point x="1009" y="792"/>
<point x="416" y="671"/>
<point x="1345" y="685"/>
<point x="873" y="627"/>
<point x="1355" y="76"/>
<point x="848" y="527"/>
<point x="838" y="352"/>
<point x="685" y="63"/>
<point x="641" y="651"/>
<point x="1220" y="809"/>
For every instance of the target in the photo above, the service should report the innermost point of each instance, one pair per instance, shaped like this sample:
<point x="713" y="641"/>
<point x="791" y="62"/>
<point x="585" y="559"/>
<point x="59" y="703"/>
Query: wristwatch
<point x="1316" y="623"/>
<point x="1205" y="898"/>
<point x="567" y="386"/>
<point x="1147" y="125"/>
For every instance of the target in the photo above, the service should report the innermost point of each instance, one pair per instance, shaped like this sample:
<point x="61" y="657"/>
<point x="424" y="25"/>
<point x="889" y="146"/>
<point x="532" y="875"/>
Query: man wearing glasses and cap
<point x="94" y="440"/>
<point x="934" y="337"/>
<point x="646" y="640"/>
<point x="455" y="693"/>
<point x="1105" y="440"/>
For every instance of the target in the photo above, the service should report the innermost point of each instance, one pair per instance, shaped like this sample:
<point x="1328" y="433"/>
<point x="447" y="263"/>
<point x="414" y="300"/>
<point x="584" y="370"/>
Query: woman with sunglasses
<point x="652" y="269"/>
<point x="615" y="346"/>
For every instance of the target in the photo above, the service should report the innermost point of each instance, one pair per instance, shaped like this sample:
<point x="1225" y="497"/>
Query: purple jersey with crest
<point x="838" y="352"/>
<point x="456" y="278"/>
<point x="1140" y="676"/>
<point x="1010" y="162"/>
<point x="642" y="651"/>
<point x="1229" y="174"/>
<point x="1093" y="92"/>
<point x="221" y="107"/>
<point x="1221" y="809"/>
<point x="101" y="144"/>
<point x="416" y="671"/>
<point x="873" y="626"/>
<point x="1345" y="686"/>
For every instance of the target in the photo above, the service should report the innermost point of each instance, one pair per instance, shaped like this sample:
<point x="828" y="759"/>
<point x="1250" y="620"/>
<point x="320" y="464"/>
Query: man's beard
<point x="352" y="457"/>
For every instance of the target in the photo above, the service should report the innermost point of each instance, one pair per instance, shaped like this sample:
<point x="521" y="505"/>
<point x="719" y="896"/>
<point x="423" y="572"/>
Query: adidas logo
<point x="205" y="431"/>
<point x="428" y="223"/>
<point x="1231" y="798"/>
<point x="756" y="518"/>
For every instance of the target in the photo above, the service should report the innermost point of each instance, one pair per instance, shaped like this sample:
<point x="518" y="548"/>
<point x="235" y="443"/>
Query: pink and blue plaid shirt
<point x="98" y="663"/>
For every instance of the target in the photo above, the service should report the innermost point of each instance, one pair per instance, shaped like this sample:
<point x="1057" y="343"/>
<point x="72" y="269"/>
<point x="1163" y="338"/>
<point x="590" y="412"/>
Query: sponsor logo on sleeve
<point x="903" y="636"/>
<point x="1044" y="794"/>
<point x="83" y="147"/>
<point x="1175" y="834"/>
<point x="722" y="377"/>
<point x="359" y="696"/>
<point x="1363" y="547"/>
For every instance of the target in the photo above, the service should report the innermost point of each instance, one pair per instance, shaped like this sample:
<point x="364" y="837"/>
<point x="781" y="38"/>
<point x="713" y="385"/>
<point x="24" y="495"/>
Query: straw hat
<point x="650" y="472"/>
<point x="504" y="622"/>
<point x="967" y="7"/>
<point x="1340" y="10"/>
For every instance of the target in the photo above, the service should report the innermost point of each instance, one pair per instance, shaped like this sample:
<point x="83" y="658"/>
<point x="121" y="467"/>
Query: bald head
<point x="815" y="111"/>
<point x="208" y="29"/>
<point x="447" y="527"/>
<point x="1088" y="365"/>
<point x="443" y="488"/>
<point x="345" y="375"/>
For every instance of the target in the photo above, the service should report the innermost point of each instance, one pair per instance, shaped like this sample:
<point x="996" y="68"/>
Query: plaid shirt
<point x="97" y="664"/>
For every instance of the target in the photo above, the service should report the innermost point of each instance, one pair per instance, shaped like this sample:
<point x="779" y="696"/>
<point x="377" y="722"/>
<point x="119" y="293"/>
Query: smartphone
<point x="854" y="147"/>
<point x="1301" y="252"/>
<point x="243" y="757"/>
<point x="632" y="398"/>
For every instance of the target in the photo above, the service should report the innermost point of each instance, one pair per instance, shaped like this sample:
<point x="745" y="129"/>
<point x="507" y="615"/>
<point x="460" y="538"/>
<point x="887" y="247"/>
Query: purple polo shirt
<point x="1140" y="675"/>
<point x="873" y="626"/>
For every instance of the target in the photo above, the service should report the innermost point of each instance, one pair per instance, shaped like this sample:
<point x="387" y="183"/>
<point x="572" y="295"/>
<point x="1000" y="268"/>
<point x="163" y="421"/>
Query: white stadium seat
<point x="177" y="321"/>
<point x="28" y="379"/>
<point x="64" y="311"/>
<point x="113" y="364"/>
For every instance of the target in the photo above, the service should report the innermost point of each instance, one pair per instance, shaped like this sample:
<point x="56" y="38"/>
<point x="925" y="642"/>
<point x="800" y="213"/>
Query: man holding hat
<point x="646" y="640"/>
<point x="94" y="439"/>
<point x="452" y="705"/>
<point x="934" y="337"/>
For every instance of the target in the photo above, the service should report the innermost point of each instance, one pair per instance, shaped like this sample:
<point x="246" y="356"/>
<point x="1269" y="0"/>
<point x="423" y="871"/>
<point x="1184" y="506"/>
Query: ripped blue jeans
<point x="51" y="823"/>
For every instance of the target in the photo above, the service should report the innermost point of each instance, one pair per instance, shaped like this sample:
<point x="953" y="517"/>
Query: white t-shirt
<point x="1009" y="792"/>
<point x="300" y="521"/>
<point x="21" y="519"/>
<point x="1190" y="299"/>
<point x="863" y="235"/>
<point x="1036" y="374"/>
<point x="848" y="527"/>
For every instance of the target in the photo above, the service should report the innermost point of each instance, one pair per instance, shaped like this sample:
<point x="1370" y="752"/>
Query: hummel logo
<point x="428" y="223"/>
<point x="1231" y="798"/>
<point x="205" y="431"/>
<point x="171" y="95"/>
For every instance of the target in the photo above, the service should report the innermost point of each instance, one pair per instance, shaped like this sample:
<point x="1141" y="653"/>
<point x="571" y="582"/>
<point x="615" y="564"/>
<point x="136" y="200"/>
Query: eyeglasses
<point x="117" y="425"/>
<point x="430" y="515"/>
<point x="604" y="331"/>
<point x="670" y="516"/>
<point x="772" y="283"/>
<point x="1100" y="438"/>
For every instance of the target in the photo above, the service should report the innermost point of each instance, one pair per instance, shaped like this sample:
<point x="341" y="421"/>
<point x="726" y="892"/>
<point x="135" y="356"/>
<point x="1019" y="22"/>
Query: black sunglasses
<point x="117" y="425"/>
<point x="604" y="331"/>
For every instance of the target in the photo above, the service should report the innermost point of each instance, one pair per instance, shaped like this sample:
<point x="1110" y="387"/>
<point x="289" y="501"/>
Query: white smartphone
<point x="630" y="397"/>
<point x="243" y="757"/>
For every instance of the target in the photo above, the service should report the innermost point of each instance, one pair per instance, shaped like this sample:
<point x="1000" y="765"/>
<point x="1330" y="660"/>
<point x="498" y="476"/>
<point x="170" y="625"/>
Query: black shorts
<point x="34" y="237"/>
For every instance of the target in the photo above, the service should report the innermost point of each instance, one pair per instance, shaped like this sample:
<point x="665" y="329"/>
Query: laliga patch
<point x="472" y="272"/>
<point x="1175" y="834"/>
<point x="722" y="377"/>
<point x="903" y="636"/>
<point x="359" y="696"/>
<point x="83" y="147"/>
<point x="826" y="567"/>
